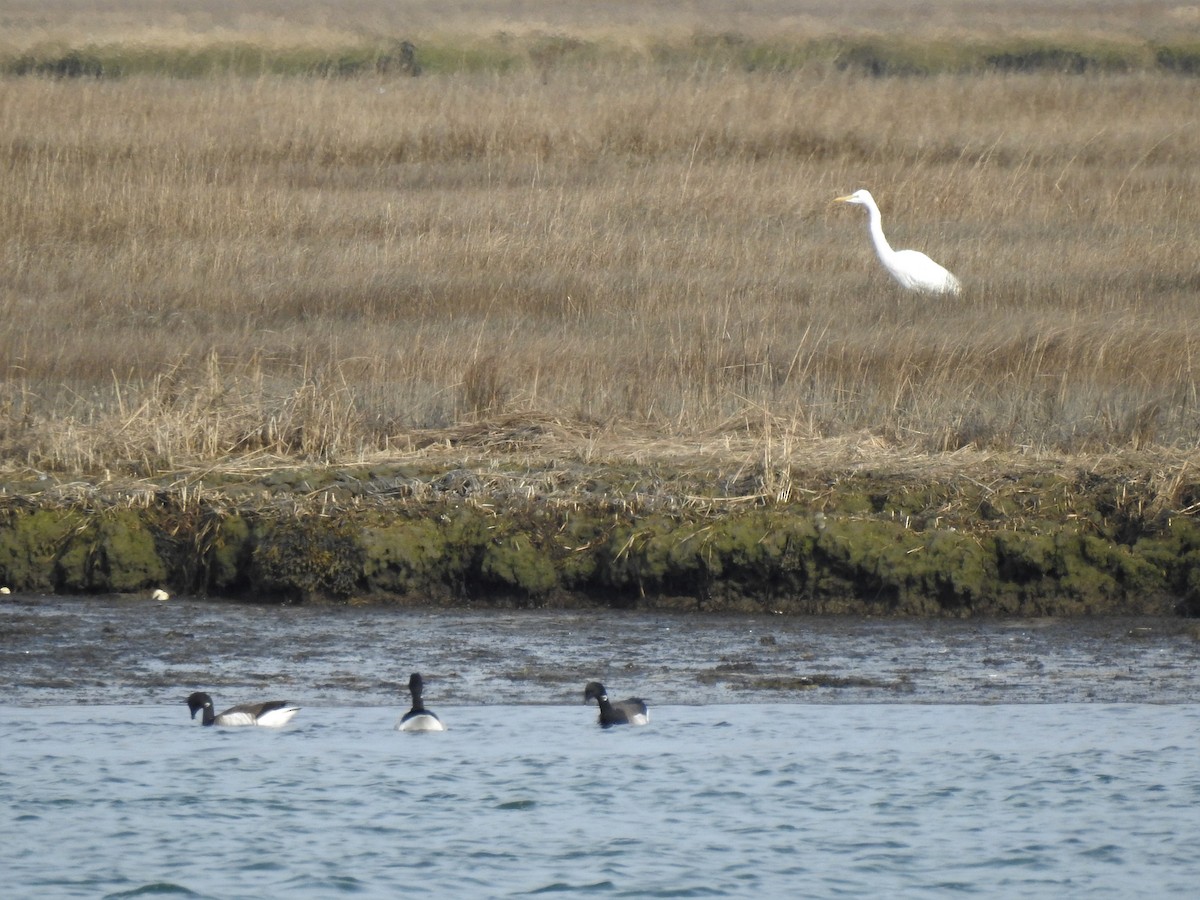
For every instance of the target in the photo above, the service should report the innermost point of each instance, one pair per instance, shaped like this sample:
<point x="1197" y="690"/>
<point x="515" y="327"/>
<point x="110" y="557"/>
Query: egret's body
<point x="913" y="270"/>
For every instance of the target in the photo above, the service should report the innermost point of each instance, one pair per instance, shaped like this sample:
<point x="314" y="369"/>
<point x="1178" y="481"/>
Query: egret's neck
<point x="875" y="226"/>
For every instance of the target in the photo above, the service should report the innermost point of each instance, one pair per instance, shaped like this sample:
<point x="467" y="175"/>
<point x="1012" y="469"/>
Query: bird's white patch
<point x="276" y="717"/>
<point x="235" y="718"/>
<point x="420" y="722"/>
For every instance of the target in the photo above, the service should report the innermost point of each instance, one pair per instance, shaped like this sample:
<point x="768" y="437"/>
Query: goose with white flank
<point x="624" y="712"/>
<point x="271" y="714"/>
<point x="418" y="718"/>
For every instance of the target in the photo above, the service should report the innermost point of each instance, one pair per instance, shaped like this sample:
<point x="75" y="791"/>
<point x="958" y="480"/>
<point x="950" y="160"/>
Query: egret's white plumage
<point x="912" y="269"/>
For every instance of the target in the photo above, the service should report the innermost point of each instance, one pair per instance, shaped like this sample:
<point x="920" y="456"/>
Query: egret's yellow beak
<point x="840" y="199"/>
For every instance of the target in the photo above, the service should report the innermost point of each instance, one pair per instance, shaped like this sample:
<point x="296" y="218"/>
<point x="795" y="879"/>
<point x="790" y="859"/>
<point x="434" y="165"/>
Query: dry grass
<point x="196" y="270"/>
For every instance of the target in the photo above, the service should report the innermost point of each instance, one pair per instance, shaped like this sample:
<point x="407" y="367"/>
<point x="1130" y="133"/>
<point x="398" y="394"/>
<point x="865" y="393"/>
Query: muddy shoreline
<point x="959" y="542"/>
<point x="116" y="650"/>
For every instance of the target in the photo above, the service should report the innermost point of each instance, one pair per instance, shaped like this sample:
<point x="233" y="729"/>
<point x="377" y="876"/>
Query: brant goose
<point x="418" y="718"/>
<point x="271" y="714"/>
<point x="624" y="712"/>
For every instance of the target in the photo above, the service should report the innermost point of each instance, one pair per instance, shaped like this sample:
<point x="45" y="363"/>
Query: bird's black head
<point x="594" y="691"/>
<point x="416" y="684"/>
<point x="198" y="701"/>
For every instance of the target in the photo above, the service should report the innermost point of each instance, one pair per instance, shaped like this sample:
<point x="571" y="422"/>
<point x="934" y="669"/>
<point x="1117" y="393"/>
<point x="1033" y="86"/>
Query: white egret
<point x="912" y="269"/>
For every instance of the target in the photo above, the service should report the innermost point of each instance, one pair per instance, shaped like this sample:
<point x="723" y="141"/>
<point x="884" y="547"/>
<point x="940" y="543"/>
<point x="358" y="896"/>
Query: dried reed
<point x="194" y="270"/>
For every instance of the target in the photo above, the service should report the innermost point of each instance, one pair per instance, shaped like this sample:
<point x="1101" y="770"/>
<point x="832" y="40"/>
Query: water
<point x="759" y="800"/>
<point x="1034" y="759"/>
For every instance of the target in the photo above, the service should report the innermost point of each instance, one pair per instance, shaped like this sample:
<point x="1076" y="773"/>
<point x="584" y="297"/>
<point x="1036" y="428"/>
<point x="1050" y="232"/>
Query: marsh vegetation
<point x="633" y="230"/>
<point x="594" y="237"/>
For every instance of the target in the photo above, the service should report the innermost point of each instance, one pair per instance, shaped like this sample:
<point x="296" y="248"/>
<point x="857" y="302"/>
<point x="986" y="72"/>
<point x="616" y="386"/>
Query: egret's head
<point x="861" y="197"/>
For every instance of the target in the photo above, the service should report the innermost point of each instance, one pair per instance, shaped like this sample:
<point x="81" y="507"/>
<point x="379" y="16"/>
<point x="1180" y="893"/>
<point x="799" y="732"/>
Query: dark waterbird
<point x="418" y="718"/>
<point x="270" y="714"/>
<point x="624" y="712"/>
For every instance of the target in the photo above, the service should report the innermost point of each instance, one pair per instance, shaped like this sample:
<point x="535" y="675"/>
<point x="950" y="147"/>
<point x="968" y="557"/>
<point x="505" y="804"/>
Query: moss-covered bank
<point x="1025" y="544"/>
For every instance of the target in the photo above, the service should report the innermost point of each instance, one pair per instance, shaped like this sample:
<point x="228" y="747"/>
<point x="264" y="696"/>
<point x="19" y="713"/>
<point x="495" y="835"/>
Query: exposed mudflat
<point x="115" y="650"/>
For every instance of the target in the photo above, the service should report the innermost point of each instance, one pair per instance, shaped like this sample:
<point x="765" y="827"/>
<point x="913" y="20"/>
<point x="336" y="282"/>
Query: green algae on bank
<point x="879" y="544"/>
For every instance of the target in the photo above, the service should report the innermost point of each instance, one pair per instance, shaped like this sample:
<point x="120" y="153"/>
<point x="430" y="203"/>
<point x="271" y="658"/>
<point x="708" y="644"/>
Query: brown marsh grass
<point x="193" y="270"/>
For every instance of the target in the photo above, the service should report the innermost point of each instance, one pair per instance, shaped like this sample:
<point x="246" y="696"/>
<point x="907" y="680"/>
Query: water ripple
<point x="524" y="794"/>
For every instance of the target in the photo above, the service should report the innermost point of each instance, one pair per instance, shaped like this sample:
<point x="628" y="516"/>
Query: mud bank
<point x="1028" y="544"/>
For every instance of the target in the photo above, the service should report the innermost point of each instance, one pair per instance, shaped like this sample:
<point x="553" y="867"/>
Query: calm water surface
<point x="785" y="758"/>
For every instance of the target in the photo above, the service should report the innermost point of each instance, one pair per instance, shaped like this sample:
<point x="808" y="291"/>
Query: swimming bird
<point x="912" y="269"/>
<point x="270" y="714"/>
<point x="624" y="712"/>
<point x="418" y="718"/>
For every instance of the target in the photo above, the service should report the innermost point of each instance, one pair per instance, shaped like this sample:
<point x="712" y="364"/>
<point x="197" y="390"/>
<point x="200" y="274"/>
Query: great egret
<point x="912" y="269"/>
